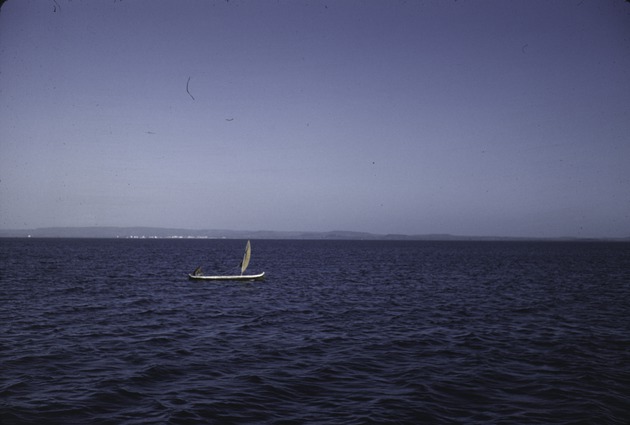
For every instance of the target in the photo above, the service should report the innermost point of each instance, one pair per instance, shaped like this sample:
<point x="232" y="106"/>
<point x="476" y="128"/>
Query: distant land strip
<point x="172" y="233"/>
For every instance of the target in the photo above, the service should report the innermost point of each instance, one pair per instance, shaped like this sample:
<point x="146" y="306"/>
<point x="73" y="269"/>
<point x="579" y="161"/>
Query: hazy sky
<point x="464" y="117"/>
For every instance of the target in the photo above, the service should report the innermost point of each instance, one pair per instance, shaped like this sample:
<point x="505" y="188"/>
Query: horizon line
<point x="209" y="233"/>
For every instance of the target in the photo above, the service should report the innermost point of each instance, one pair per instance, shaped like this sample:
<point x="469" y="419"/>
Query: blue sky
<point x="463" y="117"/>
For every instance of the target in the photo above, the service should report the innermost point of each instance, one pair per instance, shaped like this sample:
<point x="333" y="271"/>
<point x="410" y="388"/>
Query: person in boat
<point x="198" y="271"/>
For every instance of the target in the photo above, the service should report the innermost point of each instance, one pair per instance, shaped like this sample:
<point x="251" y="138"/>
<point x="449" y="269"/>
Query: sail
<point x="248" y="253"/>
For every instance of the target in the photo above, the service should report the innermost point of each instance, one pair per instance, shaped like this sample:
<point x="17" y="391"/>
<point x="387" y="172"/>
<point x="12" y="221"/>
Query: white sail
<point x="248" y="253"/>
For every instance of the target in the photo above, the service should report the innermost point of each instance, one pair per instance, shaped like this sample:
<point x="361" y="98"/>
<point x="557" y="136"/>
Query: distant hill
<point x="163" y="233"/>
<point x="168" y="233"/>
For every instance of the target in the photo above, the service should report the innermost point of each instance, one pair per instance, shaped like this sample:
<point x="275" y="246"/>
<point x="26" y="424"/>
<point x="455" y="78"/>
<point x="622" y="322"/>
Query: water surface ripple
<point x="340" y="332"/>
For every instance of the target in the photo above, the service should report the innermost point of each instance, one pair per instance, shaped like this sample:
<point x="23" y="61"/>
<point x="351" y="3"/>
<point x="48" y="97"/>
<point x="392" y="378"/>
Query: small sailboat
<point x="198" y="274"/>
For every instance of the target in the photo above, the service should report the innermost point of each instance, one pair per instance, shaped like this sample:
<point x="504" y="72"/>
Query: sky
<point x="467" y="117"/>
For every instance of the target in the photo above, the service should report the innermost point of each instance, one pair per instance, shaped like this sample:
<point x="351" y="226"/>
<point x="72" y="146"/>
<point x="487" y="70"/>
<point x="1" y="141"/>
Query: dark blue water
<point x="112" y="332"/>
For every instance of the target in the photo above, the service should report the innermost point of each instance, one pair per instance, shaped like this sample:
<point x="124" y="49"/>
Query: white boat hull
<point x="234" y="277"/>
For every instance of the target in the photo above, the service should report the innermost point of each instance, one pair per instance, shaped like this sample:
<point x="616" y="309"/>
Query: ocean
<point x="111" y="331"/>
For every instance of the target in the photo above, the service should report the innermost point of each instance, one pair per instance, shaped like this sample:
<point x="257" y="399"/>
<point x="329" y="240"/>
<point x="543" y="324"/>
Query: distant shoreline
<point x="175" y="233"/>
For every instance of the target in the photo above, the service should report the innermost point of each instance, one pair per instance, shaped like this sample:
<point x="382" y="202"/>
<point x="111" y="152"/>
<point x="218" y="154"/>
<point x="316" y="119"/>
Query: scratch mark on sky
<point x="187" y="91"/>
